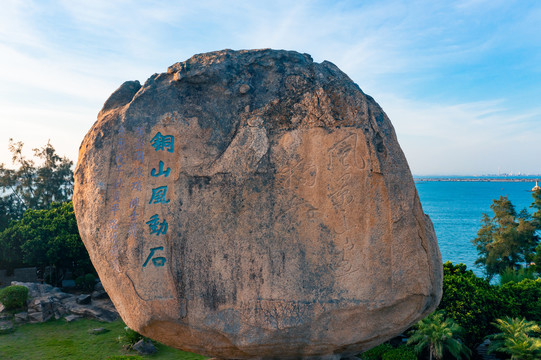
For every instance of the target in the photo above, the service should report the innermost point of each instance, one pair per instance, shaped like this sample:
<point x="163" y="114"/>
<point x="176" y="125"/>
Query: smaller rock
<point x="177" y="76"/>
<point x="72" y="317"/>
<point x="244" y="88"/>
<point x="98" y="331"/>
<point x="2" y="307"/>
<point x="99" y="292"/>
<point x="84" y="299"/>
<point x="99" y="295"/>
<point x="94" y="312"/>
<point x="21" y="317"/>
<point x="6" y="327"/>
<point x="144" y="347"/>
<point x="38" y="317"/>
<point x="99" y="286"/>
<point x="41" y="309"/>
<point x="59" y="310"/>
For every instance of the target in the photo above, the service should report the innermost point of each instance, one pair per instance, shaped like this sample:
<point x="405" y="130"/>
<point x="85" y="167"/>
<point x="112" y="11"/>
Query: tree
<point x="506" y="240"/>
<point x="32" y="186"/>
<point x="439" y="335"/>
<point x="46" y="238"/>
<point x="515" y="339"/>
<point x="537" y="206"/>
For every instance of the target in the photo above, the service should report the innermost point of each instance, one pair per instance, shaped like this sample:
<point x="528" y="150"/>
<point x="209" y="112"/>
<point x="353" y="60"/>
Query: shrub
<point x="471" y="301"/>
<point x="86" y="282"/>
<point x="377" y="352"/>
<point x="14" y="296"/>
<point x="400" y="353"/>
<point x="522" y="299"/>
<point x="510" y="274"/>
<point x="516" y="339"/>
<point x="130" y="337"/>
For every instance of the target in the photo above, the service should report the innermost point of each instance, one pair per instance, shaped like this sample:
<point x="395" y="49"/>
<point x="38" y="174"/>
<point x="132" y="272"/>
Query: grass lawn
<point x="58" y="339"/>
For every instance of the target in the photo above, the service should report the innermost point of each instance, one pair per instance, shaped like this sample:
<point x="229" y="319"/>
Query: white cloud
<point x="60" y="61"/>
<point x="469" y="138"/>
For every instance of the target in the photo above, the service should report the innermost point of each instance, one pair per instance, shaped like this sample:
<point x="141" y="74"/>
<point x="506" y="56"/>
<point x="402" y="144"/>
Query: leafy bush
<point x="377" y="352"/>
<point x="400" y="353"/>
<point x="86" y="282"/>
<point x="522" y="299"/>
<point x="471" y="301"/>
<point x="510" y="274"/>
<point x="516" y="339"/>
<point x="14" y="296"/>
<point x="130" y="337"/>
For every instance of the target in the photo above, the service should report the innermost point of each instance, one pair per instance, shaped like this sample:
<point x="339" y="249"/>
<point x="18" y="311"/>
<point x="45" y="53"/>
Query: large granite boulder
<point x="255" y="204"/>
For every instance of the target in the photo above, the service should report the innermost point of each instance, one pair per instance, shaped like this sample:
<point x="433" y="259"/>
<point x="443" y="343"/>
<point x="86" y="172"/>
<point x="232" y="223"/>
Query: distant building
<point x="536" y="187"/>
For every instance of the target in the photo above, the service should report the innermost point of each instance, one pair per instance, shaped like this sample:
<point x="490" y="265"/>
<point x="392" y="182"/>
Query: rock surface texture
<point x="255" y="204"/>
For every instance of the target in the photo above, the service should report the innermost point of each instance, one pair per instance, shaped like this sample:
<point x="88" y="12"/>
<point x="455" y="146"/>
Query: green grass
<point x="58" y="339"/>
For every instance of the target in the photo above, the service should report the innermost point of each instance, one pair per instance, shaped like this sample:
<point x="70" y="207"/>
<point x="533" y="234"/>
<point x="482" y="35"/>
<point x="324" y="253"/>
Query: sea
<point x="456" y="206"/>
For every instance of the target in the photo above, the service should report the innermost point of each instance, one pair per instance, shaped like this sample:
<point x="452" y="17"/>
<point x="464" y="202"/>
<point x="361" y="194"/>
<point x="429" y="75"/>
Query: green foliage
<point x="400" y="353"/>
<point x="46" y="237"/>
<point x="515" y="339"/>
<point x="86" y="282"/>
<point x="377" y="352"/>
<point x="471" y="301"/>
<point x="11" y="256"/>
<point x="130" y="337"/>
<point x="536" y="261"/>
<point x="513" y="275"/>
<point x="536" y="205"/>
<point x="14" y="296"/>
<point x="522" y="299"/>
<point x="440" y="336"/>
<point x="33" y="186"/>
<point x="475" y="304"/>
<point x="506" y="240"/>
<point x="125" y="357"/>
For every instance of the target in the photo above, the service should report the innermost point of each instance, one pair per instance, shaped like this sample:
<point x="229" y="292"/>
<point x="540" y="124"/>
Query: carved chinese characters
<point x="159" y="196"/>
<point x="255" y="204"/>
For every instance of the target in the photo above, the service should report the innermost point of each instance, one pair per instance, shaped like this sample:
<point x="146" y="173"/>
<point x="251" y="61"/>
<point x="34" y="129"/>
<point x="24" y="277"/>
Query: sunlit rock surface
<point x="255" y="204"/>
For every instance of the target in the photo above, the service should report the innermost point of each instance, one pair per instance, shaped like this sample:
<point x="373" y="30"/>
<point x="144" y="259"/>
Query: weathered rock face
<point x="255" y="204"/>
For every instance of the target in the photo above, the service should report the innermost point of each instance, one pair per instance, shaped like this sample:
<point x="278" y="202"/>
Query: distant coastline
<point x="479" y="178"/>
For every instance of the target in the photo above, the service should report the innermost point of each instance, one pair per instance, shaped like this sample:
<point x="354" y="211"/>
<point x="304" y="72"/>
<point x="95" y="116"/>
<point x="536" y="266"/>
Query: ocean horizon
<point x="456" y="209"/>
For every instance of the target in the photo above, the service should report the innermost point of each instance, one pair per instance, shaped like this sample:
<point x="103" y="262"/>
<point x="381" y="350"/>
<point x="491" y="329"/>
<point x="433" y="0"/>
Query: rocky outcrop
<point x="46" y="302"/>
<point x="255" y="204"/>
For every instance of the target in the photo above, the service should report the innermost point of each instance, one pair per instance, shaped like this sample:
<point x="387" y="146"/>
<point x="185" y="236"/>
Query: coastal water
<point x="456" y="209"/>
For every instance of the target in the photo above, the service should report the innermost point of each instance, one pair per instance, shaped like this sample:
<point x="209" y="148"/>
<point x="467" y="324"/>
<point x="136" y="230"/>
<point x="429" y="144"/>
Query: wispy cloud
<point x="456" y="77"/>
<point x="468" y="138"/>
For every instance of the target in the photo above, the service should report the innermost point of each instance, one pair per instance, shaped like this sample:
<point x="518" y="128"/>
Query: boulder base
<point x="255" y="204"/>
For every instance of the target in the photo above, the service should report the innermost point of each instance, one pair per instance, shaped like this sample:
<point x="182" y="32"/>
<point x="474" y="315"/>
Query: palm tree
<point x="439" y="335"/>
<point x="515" y="340"/>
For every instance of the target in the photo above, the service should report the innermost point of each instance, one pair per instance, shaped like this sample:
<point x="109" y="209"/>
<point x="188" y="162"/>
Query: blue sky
<point x="460" y="80"/>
